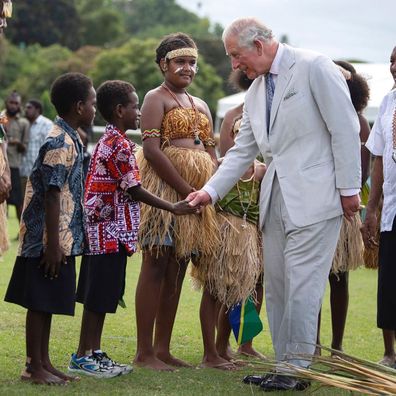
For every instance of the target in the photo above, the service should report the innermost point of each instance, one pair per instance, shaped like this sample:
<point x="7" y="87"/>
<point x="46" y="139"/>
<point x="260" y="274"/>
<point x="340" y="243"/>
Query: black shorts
<point x="16" y="197"/>
<point x="29" y="288"/>
<point x="386" y="298"/>
<point x="101" y="282"/>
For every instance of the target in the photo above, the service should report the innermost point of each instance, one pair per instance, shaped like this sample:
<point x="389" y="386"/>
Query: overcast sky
<point x="341" y="29"/>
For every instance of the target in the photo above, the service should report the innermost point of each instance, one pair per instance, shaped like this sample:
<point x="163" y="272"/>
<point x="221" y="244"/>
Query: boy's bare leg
<point x="148" y="290"/>
<point x="169" y="300"/>
<point x="91" y="326"/>
<point x="45" y="359"/>
<point x="208" y="315"/>
<point x="97" y="336"/>
<point x="34" y="371"/>
<point x="389" y="345"/>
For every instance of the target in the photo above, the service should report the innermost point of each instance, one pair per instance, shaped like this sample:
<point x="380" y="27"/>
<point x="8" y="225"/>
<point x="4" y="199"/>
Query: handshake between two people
<point x="192" y="204"/>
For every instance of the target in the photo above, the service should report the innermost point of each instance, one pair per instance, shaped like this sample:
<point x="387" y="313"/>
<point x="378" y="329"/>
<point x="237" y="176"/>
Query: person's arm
<point x="140" y="194"/>
<point x="151" y="118"/>
<point x="364" y="152"/>
<point x="21" y="142"/>
<point x="370" y="223"/>
<point x="332" y="97"/>
<point x="53" y="256"/>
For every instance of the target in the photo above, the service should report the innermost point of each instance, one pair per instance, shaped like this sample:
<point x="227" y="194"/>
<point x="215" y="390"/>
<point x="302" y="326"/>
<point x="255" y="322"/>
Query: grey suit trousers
<point x="297" y="262"/>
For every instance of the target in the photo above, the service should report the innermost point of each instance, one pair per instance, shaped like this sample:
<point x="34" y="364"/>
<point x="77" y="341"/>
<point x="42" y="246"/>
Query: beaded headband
<point x="182" y="52"/>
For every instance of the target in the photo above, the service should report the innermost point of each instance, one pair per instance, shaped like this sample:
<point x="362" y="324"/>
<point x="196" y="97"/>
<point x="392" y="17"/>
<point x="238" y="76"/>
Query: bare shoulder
<point x="153" y="95"/>
<point x="202" y="106"/>
<point x="234" y="112"/>
<point x="153" y="109"/>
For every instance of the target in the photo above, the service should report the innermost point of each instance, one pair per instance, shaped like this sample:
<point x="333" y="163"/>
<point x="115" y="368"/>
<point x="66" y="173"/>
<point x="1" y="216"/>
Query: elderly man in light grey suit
<point x="309" y="139"/>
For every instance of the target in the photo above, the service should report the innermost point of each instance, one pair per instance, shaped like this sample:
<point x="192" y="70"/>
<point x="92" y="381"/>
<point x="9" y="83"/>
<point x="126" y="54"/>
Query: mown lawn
<point x="362" y="338"/>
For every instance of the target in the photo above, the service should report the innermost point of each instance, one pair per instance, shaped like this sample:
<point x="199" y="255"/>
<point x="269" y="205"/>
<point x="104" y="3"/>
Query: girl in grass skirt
<point x="178" y="157"/>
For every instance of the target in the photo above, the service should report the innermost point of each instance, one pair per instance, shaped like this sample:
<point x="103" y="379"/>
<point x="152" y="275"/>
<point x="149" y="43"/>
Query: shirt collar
<point x="69" y="130"/>
<point x="275" y="67"/>
<point x="37" y="120"/>
<point x="113" y="129"/>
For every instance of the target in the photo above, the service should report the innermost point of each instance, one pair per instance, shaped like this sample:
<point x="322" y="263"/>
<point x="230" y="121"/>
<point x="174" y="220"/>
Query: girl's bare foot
<point x="51" y="369"/>
<point x="217" y="363"/>
<point x="152" y="362"/>
<point x="40" y="376"/>
<point x="171" y="360"/>
<point x="249" y="351"/>
<point x="387" y="360"/>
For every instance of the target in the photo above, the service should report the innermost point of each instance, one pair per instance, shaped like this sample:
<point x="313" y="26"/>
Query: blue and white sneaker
<point x="105" y="360"/>
<point x="89" y="365"/>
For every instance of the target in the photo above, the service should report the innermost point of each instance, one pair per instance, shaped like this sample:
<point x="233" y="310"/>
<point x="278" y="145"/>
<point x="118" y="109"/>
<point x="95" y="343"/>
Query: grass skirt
<point x="196" y="233"/>
<point x="232" y="274"/>
<point x="349" y="251"/>
<point x="371" y="255"/>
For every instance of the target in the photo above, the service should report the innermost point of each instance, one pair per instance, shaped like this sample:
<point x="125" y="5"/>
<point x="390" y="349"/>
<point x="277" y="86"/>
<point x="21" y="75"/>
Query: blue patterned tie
<point x="270" y="88"/>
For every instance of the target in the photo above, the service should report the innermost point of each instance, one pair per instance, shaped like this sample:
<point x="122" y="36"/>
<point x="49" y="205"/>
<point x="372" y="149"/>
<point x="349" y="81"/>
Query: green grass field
<point x="362" y="338"/>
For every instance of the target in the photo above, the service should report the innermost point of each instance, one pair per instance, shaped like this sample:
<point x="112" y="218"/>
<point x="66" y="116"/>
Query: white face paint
<point x="192" y="69"/>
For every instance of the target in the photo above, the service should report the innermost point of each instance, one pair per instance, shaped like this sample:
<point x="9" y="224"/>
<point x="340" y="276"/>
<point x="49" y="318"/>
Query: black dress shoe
<point x="283" y="383"/>
<point x="255" y="379"/>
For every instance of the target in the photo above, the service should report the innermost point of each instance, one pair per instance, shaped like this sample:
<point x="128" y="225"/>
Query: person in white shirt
<point x="382" y="144"/>
<point x="39" y="129"/>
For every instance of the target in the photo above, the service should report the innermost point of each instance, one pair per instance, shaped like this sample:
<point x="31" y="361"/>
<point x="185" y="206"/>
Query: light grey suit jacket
<point x="313" y="144"/>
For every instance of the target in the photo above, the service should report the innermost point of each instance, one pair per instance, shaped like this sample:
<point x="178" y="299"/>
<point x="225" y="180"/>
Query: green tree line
<point x="105" y="39"/>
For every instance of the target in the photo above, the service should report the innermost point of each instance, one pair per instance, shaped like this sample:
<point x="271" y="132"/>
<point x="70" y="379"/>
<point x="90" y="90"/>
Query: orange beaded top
<point x="178" y="123"/>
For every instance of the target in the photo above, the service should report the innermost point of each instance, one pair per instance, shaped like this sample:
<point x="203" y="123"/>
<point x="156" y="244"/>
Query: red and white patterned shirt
<point x="111" y="216"/>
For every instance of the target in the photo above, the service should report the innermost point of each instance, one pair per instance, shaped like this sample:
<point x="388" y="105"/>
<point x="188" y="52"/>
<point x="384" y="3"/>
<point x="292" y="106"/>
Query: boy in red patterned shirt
<point x="112" y="214"/>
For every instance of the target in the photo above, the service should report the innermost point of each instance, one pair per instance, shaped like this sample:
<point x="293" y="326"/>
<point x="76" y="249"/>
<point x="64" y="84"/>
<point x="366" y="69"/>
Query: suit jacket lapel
<point x="284" y="76"/>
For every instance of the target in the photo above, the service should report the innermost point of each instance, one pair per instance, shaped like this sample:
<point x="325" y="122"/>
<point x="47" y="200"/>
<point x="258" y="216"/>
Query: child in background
<point x="51" y="231"/>
<point x="112" y="216"/>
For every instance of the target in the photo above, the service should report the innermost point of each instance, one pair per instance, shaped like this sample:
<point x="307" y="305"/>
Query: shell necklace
<point x="245" y="209"/>
<point x="195" y="130"/>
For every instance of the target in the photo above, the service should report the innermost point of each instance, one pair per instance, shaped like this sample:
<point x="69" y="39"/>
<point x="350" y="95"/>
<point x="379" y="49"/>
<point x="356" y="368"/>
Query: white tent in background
<point x="378" y="77"/>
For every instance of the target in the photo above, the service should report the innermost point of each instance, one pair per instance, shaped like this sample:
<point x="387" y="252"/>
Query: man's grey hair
<point x="247" y="30"/>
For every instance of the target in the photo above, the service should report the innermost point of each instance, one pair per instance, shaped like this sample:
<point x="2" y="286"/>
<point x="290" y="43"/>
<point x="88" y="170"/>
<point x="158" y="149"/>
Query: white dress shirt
<point x="380" y="143"/>
<point x="39" y="130"/>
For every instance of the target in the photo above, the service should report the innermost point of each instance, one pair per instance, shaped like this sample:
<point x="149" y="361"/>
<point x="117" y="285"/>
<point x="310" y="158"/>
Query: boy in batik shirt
<point x="51" y="232"/>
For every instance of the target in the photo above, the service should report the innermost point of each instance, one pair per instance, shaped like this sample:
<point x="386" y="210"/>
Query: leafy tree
<point x="83" y="60"/>
<point x="102" y="23"/>
<point x="101" y="27"/>
<point x="48" y="108"/>
<point x="37" y="69"/>
<point x="212" y="48"/>
<point x="45" y="22"/>
<point x="144" y="15"/>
